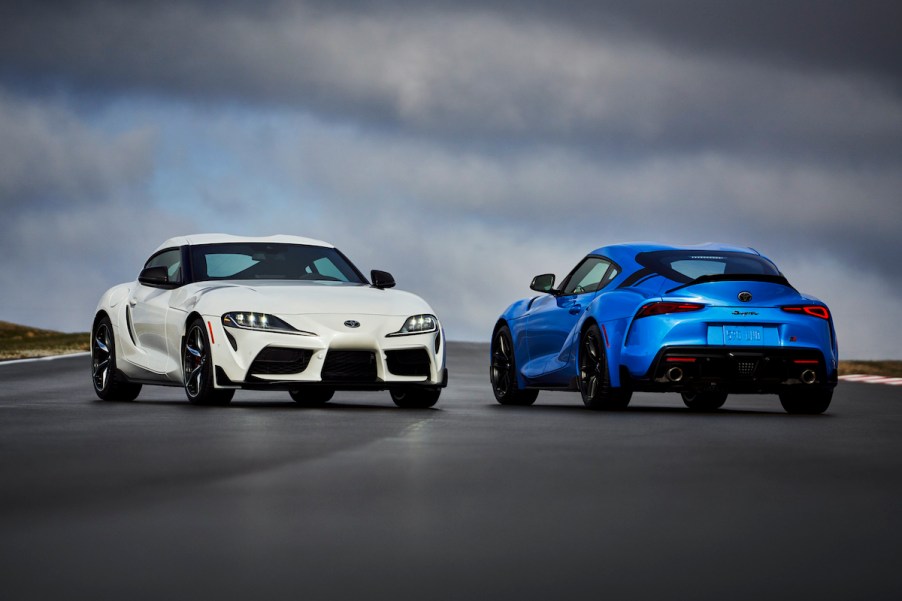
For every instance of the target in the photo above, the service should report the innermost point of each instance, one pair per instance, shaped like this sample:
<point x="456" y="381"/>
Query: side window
<point x="591" y="275"/>
<point x="171" y="260"/>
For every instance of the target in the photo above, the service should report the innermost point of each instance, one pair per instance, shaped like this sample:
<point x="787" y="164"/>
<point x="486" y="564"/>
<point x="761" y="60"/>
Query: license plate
<point x="743" y="335"/>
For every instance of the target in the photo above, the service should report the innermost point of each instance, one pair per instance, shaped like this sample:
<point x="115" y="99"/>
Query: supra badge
<point x="352" y="323"/>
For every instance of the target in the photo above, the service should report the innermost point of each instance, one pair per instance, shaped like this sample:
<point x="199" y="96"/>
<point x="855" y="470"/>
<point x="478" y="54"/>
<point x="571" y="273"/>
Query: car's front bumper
<point x="365" y="357"/>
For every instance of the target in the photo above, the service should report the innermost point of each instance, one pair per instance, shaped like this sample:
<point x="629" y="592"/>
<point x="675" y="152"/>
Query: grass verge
<point x="23" y="342"/>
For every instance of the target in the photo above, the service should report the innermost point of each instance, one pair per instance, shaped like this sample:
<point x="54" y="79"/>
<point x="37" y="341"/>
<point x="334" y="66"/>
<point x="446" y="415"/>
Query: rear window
<point x="683" y="266"/>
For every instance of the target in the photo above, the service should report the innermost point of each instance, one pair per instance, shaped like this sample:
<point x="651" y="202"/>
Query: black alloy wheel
<point x="594" y="378"/>
<point x="411" y="397"/>
<point x="503" y="372"/>
<point x="311" y="396"/>
<point x="806" y="401"/>
<point x="704" y="401"/>
<point x="197" y="366"/>
<point x="107" y="381"/>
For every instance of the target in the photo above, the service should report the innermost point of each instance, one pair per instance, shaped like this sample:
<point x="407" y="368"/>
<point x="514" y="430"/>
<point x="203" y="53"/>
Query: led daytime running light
<point x="248" y="320"/>
<point x="417" y="324"/>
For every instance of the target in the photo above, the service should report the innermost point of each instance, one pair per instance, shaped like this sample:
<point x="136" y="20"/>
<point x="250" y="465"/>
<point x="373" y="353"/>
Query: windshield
<point x="684" y="266"/>
<point x="264" y="261"/>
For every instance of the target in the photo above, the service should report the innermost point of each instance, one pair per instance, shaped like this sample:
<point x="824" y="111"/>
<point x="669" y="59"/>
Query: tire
<point x="704" y="401"/>
<point x="503" y="372"/>
<point x="197" y="366"/>
<point x="807" y="401"/>
<point x="415" y="398"/>
<point x="311" y="396"/>
<point x="594" y="376"/>
<point x="108" y="383"/>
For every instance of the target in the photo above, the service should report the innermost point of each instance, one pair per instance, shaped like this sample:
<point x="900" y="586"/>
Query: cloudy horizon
<point x="462" y="146"/>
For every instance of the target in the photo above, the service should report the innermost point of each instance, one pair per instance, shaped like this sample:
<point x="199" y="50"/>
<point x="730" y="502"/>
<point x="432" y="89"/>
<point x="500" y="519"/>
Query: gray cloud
<point x="76" y="216"/>
<point x="467" y="73"/>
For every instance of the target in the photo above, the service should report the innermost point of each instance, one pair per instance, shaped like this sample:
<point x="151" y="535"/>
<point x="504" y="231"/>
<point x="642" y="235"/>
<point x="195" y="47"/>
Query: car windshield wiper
<point x="735" y="277"/>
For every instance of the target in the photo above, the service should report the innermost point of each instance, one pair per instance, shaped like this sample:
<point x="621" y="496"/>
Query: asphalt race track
<point x="158" y="499"/>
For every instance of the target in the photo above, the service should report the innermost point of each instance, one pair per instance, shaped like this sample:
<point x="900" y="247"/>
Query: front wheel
<point x="415" y="398"/>
<point x="807" y="401"/>
<point x="312" y="396"/>
<point x="103" y="366"/>
<point x="594" y="376"/>
<point x="704" y="401"/>
<point x="197" y="364"/>
<point x="503" y="372"/>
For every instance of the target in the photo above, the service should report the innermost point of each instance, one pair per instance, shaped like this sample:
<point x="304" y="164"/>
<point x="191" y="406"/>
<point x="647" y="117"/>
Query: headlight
<point x="247" y="320"/>
<point x="417" y="324"/>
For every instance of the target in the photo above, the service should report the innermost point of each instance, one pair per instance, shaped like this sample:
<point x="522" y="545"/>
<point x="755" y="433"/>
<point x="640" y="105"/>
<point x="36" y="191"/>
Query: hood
<point x="296" y="298"/>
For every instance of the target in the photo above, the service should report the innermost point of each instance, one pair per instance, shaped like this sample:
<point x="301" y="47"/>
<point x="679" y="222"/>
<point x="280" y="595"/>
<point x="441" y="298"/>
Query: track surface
<point x="157" y="499"/>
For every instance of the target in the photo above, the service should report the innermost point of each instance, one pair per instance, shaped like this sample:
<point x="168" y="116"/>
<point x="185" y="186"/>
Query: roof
<point x="193" y="239"/>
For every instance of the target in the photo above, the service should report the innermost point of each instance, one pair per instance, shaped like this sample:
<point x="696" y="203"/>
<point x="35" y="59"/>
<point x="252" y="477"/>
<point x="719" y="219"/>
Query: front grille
<point x="354" y="366"/>
<point x="408" y="362"/>
<point x="280" y="361"/>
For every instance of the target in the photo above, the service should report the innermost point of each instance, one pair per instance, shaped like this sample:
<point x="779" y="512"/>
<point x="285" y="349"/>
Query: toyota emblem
<point x="745" y="296"/>
<point x="352" y="323"/>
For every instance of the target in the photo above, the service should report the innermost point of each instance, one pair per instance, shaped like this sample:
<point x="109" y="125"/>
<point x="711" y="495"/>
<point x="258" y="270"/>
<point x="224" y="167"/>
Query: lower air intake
<point x="350" y="366"/>
<point x="280" y="361"/>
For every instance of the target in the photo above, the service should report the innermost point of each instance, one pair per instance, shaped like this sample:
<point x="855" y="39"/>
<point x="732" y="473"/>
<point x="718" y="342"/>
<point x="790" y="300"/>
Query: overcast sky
<point x="463" y="146"/>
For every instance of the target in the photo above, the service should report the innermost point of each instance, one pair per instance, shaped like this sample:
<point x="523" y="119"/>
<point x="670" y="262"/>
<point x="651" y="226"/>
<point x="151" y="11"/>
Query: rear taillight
<point x="660" y="308"/>
<point x="813" y="310"/>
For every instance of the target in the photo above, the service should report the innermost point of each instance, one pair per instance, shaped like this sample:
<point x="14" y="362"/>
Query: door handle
<point x="575" y="309"/>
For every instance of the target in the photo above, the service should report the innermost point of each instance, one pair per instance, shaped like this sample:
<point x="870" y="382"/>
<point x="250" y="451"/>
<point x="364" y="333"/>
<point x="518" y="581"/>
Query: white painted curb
<point x="871" y="379"/>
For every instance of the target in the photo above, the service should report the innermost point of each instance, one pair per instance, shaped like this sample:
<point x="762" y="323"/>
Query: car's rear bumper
<point x="735" y="370"/>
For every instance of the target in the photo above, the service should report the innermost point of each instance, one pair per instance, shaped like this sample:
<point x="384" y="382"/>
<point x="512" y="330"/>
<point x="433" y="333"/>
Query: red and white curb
<point x="871" y="379"/>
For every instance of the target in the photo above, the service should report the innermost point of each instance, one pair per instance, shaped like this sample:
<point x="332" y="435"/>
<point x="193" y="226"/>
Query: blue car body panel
<point x="766" y="343"/>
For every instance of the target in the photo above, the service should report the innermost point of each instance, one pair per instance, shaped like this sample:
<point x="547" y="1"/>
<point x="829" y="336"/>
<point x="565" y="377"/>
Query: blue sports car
<point x="705" y="321"/>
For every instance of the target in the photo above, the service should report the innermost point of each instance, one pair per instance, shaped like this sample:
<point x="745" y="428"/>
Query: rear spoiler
<point x="735" y="277"/>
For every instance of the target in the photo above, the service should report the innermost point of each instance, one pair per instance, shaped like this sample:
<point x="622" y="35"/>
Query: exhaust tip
<point x="675" y="374"/>
<point x="808" y="376"/>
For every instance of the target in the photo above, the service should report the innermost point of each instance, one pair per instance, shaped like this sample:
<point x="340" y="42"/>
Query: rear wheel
<point x="415" y="398"/>
<point x="704" y="401"/>
<point x="503" y="372"/>
<point x="103" y="366"/>
<point x="594" y="376"/>
<point x="312" y="396"/>
<point x="810" y="401"/>
<point x="197" y="364"/>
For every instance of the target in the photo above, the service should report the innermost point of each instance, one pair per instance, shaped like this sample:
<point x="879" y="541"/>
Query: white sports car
<point x="215" y="313"/>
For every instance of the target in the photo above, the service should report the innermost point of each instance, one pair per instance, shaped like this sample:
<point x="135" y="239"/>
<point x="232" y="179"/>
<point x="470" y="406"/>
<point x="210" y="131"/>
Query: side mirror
<point x="382" y="279"/>
<point x="155" y="276"/>
<point x="543" y="283"/>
